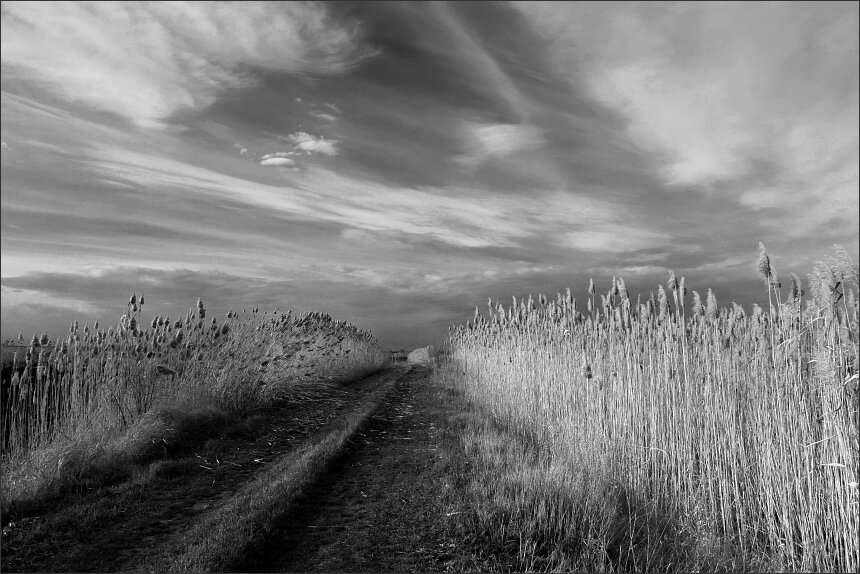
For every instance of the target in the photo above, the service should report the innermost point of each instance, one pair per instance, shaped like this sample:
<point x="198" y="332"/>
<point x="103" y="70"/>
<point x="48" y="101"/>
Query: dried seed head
<point x="763" y="264"/>
<point x="662" y="300"/>
<point x="774" y="277"/>
<point x="698" y="310"/>
<point x="622" y="289"/>
<point x="673" y="281"/>
<point x="711" y="308"/>
<point x="796" y="291"/>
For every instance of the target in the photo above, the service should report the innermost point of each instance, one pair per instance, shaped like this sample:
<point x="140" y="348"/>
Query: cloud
<point x="827" y="202"/>
<point x="496" y="141"/>
<point x="614" y="239"/>
<point x="146" y="61"/>
<point x="102" y="294"/>
<point x="279" y="154"/>
<point x="465" y="217"/>
<point x="459" y="216"/>
<point x="18" y="292"/>
<point x="716" y="89"/>
<point x="324" y="116"/>
<point x="482" y="65"/>
<point x="277" y="161"/>
<point x="629" y="271"/>
<point x="318" y="195"/>
<point x="418" y="280"/>
<point x="4" y="145"/>
<point x="313" y="144"/>
<point x="564" y="170"/>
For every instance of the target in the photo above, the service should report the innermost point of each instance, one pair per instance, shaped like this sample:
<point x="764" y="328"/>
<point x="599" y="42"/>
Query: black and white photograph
<point x="420" y="286"/>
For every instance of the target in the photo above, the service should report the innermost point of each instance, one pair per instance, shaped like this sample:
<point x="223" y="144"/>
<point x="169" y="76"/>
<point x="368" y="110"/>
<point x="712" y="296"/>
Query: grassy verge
<point x="222" y="538"/>
<point x="57" y="474"/>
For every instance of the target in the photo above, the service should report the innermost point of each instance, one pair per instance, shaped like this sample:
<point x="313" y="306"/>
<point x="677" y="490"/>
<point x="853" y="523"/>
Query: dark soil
<point x="381" y="506"/>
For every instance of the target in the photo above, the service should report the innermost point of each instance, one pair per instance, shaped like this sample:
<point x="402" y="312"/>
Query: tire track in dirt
<point x="378" y="508"/>
<point x="135" y="518"/>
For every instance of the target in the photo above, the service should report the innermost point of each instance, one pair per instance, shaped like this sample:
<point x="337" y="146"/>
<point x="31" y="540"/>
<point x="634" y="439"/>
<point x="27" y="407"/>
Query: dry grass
<point x="667" y="434"/>
<point x="91" y="404"/>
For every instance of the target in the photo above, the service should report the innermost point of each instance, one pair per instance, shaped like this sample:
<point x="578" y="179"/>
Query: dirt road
<point x="379" y="508"/>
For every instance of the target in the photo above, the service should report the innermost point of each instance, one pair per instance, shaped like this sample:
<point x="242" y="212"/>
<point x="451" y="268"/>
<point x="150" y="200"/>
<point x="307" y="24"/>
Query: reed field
<point x="666" y="432"/>
<point x="79" y="398"/>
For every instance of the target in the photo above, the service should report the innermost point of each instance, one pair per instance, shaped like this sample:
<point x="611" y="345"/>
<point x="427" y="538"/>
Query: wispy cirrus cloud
<point x="728" y="85"/>
<point x="496" y="141"/>
<point x="754" y="100"/>
<point x="147" y="61"/>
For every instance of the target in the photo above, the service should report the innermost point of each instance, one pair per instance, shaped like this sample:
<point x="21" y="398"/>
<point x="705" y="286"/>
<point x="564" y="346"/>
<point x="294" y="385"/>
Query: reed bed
<point x="743" y="428"/>
<point x="95" y="384"/>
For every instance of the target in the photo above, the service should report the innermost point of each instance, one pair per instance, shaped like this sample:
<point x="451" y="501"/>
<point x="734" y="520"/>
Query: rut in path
<point x="379" y="506"/>
<point x="117" y="528"/>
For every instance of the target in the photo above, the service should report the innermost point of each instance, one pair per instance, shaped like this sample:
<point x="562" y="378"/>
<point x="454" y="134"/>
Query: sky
<point x="397" y="164"/>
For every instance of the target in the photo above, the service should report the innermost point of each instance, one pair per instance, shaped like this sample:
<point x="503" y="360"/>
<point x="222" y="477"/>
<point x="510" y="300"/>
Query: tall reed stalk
<point x="97" y="382"/>
<point x="744" y="425"/>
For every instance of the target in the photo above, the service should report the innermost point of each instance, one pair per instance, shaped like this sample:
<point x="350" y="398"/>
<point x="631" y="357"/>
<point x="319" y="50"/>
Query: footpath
<point x="376" y="505"/>
<point x="380" y="507"/>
